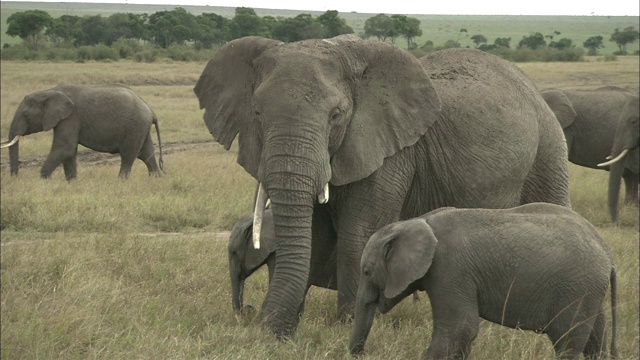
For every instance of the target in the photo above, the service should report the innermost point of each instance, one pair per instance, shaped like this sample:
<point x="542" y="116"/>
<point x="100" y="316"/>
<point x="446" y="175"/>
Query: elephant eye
<point x="336" y="114"/>
<point x="366" y="273"/>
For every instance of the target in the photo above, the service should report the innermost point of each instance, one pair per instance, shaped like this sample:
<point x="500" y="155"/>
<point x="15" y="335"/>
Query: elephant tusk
<point x="608" y="157"/>
<point x="15" y="140"/>
<point x="258" y="213"/>
<point x="323" y="197"/>
<point x="617" y="158"/>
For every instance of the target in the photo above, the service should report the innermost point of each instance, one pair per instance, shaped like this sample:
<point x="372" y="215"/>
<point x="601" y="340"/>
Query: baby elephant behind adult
<point x="244" y="259"/>
<point x="109" y="118"/>
<point x="537" y="267"/>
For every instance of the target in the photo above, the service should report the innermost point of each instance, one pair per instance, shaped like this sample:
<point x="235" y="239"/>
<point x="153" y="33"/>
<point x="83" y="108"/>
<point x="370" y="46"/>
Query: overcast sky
<point x="471" y="7"/>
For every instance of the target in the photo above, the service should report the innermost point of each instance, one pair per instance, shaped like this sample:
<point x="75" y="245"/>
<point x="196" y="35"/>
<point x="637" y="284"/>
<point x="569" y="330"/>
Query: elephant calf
<point x="109" y="118"/>
<point x="244" y="259"/>
<point x="537" y="267"/>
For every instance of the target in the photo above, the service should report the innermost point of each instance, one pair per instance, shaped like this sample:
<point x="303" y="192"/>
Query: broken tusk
<point x="323" y="197"/>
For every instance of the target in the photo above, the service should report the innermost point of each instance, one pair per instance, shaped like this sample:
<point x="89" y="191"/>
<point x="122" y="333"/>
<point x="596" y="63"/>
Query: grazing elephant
<point x="625" y="157"/>
<point x="537" y="267"/>
<point x="378" y="135"/>
<point x="589" y="119"/>
<point x="110" y="118"/>
<point x="244" y="260"/>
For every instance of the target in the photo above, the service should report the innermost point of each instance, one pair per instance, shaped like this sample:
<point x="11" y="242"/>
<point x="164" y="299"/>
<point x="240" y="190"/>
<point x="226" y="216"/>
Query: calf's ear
<point x="409" y="254"/>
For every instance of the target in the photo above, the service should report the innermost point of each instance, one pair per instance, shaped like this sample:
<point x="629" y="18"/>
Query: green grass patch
<point x="104" y="268"/>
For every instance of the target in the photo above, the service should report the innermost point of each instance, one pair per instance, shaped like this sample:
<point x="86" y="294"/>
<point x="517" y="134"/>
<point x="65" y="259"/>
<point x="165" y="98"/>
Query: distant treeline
<point x="180" y="35"/>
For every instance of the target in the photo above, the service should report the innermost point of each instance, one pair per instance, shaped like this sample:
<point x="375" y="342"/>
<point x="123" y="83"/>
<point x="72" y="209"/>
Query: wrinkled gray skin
<point x="244" y="260"/>
<point x="589" y="119"/>
<point x="110" y="118"/>
<point x="537" y="267"/>
<point x="626" y="138"/>
<point x="394" y="136"/>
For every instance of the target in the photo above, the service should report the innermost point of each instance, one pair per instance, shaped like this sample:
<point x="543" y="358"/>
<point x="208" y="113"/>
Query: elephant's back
<point x="470" y="67"/>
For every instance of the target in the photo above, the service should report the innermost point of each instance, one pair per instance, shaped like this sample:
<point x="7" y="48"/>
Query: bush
<point x="540" y="55"/>
<point x="99" y="52"/>
<point x="147" y="56"/>
<point x="19" y="52"/>
<point x="61" y="54"/>
<point x="127" y="48"/>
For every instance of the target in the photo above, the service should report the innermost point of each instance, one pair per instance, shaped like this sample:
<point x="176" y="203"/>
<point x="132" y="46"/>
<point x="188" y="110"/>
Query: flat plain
<point x="103" y="268"/>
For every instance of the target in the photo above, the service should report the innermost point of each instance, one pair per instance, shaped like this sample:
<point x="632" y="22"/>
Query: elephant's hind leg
<point x="148" y="157"/>
<point x="570" y="334"/>
<point x="596" y="347"/>
<point x="548" y="179"/>
<point x="125" y="165"/>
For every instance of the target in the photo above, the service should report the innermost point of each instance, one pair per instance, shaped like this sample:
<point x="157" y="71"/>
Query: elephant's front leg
<point x="631" y="187"/>
<point x="63" y="149"/>
<point x="362" y="208"/>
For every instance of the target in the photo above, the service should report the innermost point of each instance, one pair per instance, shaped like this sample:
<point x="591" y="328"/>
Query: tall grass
<point x="137" y="269"/>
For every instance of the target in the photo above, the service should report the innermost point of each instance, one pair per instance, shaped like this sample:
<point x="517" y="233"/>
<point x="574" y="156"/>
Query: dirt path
<point x="90" y="157"/>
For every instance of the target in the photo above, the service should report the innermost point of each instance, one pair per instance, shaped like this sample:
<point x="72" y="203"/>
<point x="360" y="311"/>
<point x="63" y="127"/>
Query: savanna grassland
<point x="108" y="269"/>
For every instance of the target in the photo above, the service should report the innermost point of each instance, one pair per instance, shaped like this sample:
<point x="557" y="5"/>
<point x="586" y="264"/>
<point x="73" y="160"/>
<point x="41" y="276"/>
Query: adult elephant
<point x="625" y="155"/>
<point x="387" y="136"/>
<point x="589" y="119"/>
<point x="110" y="118"/>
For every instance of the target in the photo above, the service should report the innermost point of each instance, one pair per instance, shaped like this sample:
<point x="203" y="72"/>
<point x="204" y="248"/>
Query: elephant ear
<point x="408" y="255"/>
<point x="255" y="257"/>
<point x="224" y="90"/>
<point x="561" y="106"/>
<point x="395" y="103"/>
<point x="57" y="106"/>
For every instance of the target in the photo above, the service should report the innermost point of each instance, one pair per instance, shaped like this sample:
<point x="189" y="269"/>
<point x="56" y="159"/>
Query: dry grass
<point x="100" y="268"/>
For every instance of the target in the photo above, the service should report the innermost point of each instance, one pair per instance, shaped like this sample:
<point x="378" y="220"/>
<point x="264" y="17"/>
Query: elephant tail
<point x="155" y="122"/>
<point x="614" y="311"/>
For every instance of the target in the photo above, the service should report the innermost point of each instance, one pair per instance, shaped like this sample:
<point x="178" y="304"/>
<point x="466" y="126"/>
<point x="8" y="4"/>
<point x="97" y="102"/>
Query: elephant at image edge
<point x="539" y="267"/>
<point x="244" y="260"/>
<point x="625" y="155"/>
<point x="589" y="119"/>
<point x="109" y="118"/>
<point x="380" y="136"/>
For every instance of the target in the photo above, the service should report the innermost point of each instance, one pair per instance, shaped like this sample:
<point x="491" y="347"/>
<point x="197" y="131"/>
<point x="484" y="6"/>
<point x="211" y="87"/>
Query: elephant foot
<point x="283" y="331"/>
<point x="247" y="310"/>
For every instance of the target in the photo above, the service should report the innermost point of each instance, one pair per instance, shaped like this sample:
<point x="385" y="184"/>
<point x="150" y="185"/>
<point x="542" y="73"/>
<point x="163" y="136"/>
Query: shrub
<point x="525" y="54"/>
<point x="99" y="52"/>
<point x="127" y="48"/>
<point x="19" y="52"/>
<point x="61" y="54"/>
<point x="147" y="56"/>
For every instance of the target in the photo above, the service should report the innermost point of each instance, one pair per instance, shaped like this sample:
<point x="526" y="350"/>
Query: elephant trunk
<point x="364" y="314"/>
<point x="14" y="152"/>
<point x="237" y="284"/>
<point x="615" y="177"/>
<point x="291" y="182"/>
<point x="292" y="227"/>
